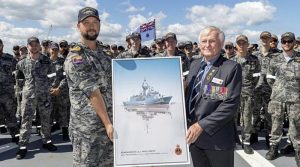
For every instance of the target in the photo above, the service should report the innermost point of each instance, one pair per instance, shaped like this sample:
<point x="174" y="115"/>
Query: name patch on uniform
<point x="77" y="59"/>
<point x="217" y="81"/>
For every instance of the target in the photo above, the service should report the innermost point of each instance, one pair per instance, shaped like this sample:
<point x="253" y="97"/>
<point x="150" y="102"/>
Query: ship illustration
<point x="148" y="97"/>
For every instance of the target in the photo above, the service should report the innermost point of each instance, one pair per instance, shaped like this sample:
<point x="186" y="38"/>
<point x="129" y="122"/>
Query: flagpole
<point x="155" y="30"/>
<point x="49" y="31"/>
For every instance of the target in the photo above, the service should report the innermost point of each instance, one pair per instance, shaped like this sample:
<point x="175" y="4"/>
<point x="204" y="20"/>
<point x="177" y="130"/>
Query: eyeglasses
<point x="288" y="41"/>
<point x="228" y="47"/>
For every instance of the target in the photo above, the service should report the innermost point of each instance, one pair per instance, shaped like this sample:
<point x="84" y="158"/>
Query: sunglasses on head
<point x="287" y="41"/>
<point x="228" y="47"/>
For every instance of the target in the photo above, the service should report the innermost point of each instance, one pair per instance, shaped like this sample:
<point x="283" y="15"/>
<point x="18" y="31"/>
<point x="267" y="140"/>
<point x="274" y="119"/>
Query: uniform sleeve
<point x="79" y="72"/>
<point x="271" y="73"/>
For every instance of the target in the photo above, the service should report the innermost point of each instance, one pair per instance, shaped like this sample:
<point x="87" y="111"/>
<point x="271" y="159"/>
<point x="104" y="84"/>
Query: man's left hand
<point x="193" y="133"/>
<point x="55" y="91"/>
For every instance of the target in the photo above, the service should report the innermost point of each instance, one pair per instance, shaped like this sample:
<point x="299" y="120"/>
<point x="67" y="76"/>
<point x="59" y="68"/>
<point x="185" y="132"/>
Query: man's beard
<point x="88" y="37"/>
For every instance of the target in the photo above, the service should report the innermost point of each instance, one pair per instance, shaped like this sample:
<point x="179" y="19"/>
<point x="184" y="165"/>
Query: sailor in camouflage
<point x="136" y="50"/>
<point x="7" y="99"/>
<point x="263" y="89"/>
<point x="35" y="69"/>
<point x="250" y="65"/>
<point x="170" y="41"/>
<point x="284" y="74"/>
<point x="59" y="91"/>
<point x="88" y="72"/>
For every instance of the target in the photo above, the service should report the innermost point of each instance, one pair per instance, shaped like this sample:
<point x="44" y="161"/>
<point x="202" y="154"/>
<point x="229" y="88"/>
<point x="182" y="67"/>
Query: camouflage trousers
<point x="95" y="151"/>
<point x="8" y="113"/>
<point x="276" y="109"/>
<point x="61" y="110"/>
<point x="246" y="110"/>
<point x="29" y="106"/>
<point x="260" y="113"/>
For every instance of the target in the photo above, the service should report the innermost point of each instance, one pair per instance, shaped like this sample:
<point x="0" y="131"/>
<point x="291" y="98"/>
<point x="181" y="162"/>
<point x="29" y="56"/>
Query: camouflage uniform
<point x="262" y="93"/>
<point x="129" y="54"/>
<point x="250" y="65"/>
<point x="61" y="103"/>
<point x="285" y="96"/>
<point x="7" y="100"/>
<point x="35" y="94"/>
<point x="86" y="71"/>
<point x="184" y="59"/>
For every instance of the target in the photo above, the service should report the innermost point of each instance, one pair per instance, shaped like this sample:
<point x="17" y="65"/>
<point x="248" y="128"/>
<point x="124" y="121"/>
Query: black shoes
<point x="272" y="153"/>
<point x="248" y="149"/>
<point x="15" y="139"/>
<point x="253" y="138"/>
<point x="287" y="149"/>
<point x="267" y="138"/>
<point x="55" y="127"/>
<point x="65" y="134"/>
<point x="3" y="129"/>
<point x="50" y="146"/>
<point x="21" y="153"/>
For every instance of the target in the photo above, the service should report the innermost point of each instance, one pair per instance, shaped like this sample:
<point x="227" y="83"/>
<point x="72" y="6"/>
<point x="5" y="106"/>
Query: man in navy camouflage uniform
<point x="88" y="71"/>
<point x="35" y="70"/>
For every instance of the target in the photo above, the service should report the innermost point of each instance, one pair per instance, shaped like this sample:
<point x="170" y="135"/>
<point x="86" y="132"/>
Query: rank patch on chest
<point x="77" y="59"/>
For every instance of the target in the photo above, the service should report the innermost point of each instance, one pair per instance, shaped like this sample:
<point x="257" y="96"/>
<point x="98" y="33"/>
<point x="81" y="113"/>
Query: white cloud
<point x="232" y="21"/>
<point x="135" y="21"/>
<point x="59" y="13"/>
<point x="133" y="9"/>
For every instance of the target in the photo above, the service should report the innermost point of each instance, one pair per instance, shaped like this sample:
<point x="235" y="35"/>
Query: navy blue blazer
<point x="213" y="111"/>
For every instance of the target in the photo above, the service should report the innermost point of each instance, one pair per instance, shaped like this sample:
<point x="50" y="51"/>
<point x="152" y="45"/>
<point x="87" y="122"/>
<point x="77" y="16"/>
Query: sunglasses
<point x="228" y="47"/>
<point x="275" y="41"/>
<point x="287" y="41"/>
<point x="62" y="46"/>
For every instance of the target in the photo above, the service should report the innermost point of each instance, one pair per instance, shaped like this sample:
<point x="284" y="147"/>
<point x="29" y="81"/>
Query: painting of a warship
<point x="149" y="99"/>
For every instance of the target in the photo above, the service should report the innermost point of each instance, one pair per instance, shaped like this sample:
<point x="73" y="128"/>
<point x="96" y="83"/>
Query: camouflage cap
<point x="16" y="47"/>
<point x="170" y="35"/>
<point x="54" y="45"/>
<point x="188" y="43"/>
<point x="265" y="34"/>
<point x="33" y="39"/>
<point x="63" y="42"/>
<point x="114" y="46"/>
<point x="274" y="37"/>
<point x="241" y="37"/>
<point x="181" y="45"/>
<point x="159" y="40"/>
<point x="228" y="43"/>
<point x="288" y="35"/>
<point x="45" y="42"/>
<point x="88" y="12"/>
<point x="134" y="35"/>
<point x="23" y="47"/>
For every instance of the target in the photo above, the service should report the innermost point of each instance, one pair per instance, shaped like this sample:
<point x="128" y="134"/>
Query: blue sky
<point x="19" y="20"/>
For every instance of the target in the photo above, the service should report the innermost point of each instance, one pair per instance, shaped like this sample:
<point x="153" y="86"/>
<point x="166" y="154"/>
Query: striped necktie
<point x="196" y="90"/>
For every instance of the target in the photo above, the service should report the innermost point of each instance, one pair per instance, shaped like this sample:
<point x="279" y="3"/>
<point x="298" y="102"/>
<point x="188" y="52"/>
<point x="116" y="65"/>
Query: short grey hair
<point x="209" y="29"/>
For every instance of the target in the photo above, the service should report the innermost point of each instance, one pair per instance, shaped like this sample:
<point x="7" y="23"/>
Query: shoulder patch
<point x="75" y="49"/>
<point x="77" y="59"/>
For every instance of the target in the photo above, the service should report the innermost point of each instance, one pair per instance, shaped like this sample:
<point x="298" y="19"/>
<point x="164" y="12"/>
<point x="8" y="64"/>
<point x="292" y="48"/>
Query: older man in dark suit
<point x="212" y="99"/>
